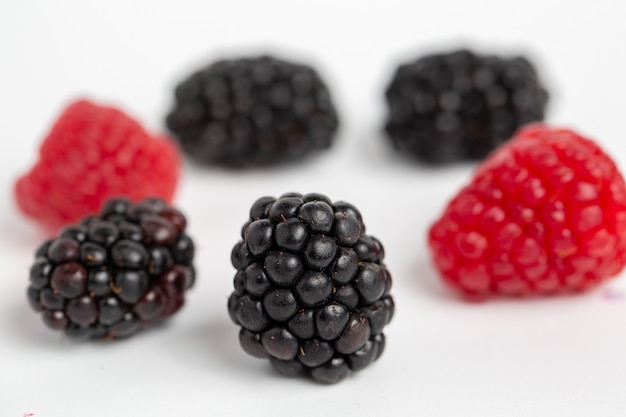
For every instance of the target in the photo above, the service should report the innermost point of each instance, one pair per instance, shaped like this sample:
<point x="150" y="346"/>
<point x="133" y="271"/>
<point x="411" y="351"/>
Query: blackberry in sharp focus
<point x="114" y="273"/>
<point x="311" y="289"/>
<point x="459" y="105"/>
<point x="252" y="111"/>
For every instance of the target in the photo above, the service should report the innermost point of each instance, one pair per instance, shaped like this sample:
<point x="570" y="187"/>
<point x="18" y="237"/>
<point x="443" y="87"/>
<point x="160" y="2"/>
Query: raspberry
<point x="459" y="105"/>
<point x="114" y="273"/>
<point x="545" y="213"/>
<point x="311" y="289"/>
<point x="252" y="111"/>
<point x="93" y="153"/>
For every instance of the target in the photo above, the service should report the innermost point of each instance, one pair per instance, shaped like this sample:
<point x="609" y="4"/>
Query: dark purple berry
<point x="302" y="324"/>
<point x="131" y="231"/>
<point x="250" y="314"/>
<point x="380" y="342"/>
<point x="314" y="288"/>
<point x="128" y="254"/>
<point x="378" y="316"/>
<point x="317" y="215"/>
<point x="99" y="282"/>
<point x="252" y="111"/>
<point x="370" y="282"/>
<point x="183" y="250"/>
<point x="126" y="327"/>
<point x="74" y="232"/>
<point x="104" y="233"/>
<point x="331" y="320"/>
<point x="283" y="268"/>
<point x="320" y="251"/>
<point x="311" y="291"/>
<point x="131" y="268"/>
<point x="175" y="281"/>
<point x="259" y="236"/>
<point x="280" y="343"/>
<point x="251" y="343"/>
<point x="92" y="254"/>
<point x="51" y="300"/>
<point x="241" y="256"/>
<point x="255" y="281"/>
<point x="354" y="335"/>
<point x="175" y="217"/>
<point x="159" y="260"/>
<point x="63" y="250"/>
<point x="151" y="305"/>
<point x="369" y="249"/>
<point x="332" y="372"/>
<point x="69" y="279"/>
<point x="82" y="311"/>
<point x="261" y="208"/>
<point x="40" y="273"/>
<point x="55" y="319"/>
<point x="315" y="352"/>
<point x="291" y="234"/>
<point x="345" y="267"/>
<point x="346" y="295"/>
<point x="157" y="230"/>
<point x="287" y="368"/>
<point x="33" y="298"/>
<point x="78" y="333"/>
<point x="345" y="207"/>
<point x="347" y="228"/>
<point x="458" y="105"/>
<point x="316" y="197"/>
<point x="130" y="285"/>
<point x="284" y="208"/>
<point x="115" y="206"/>
<point x="280" y="304"/>
<point x="363" y="356"/>
<point x="233" y="302"/>
<point x="42" y="250"/>
<point x="111" y="310"/>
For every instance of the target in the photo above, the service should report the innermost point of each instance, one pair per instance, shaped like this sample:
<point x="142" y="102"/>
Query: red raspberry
<point x="91" y="154"/>
<point x="544" y="213"/>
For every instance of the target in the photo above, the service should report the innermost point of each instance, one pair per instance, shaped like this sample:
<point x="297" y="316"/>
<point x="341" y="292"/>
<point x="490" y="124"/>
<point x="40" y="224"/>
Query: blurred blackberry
<point x="114" y="272"/>
<point x="459" y="106"/>
<point x="252" y="111"/>
<point x="311" y="289"/>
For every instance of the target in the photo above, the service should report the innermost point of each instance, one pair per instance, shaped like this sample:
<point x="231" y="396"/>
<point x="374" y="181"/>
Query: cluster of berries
<point x="544" y="213"/>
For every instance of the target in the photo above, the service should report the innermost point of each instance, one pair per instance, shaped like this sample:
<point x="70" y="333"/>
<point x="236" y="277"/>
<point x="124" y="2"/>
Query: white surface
<point x="445" y="357"/>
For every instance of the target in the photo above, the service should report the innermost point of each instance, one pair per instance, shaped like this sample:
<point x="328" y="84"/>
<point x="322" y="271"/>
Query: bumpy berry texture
<point x="91" y="154"/>
<point x="545" y="213"/>
<point x="114" y="273"/>
<point x="252" y="111"/>
<point x="460" y="106"/>
<point x="311" y="289"/>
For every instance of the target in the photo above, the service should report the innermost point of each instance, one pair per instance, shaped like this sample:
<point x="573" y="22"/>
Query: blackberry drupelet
<point x="252" y="111"/>
<point x="115" y="272"/>
<point x="311" y="289"/>
<point x="460" y="106"/>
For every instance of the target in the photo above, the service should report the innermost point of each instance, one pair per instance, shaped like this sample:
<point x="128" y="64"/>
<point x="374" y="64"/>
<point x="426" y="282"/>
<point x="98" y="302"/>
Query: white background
<point x="445" y="357"/>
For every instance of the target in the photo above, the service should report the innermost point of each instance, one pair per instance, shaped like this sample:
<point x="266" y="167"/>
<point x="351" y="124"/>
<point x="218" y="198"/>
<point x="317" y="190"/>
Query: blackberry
<point x="459" y="106"/>
<point x="114" y="273"/>
<point x="311" y="289"/>
<point x="252" y="111"/>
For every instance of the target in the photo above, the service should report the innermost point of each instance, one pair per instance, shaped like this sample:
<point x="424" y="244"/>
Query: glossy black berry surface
<point x="252" y="111"/>
<point x="114" y="273"/>
<point x="311" y="289"/>
<point x="459" y="105"/>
